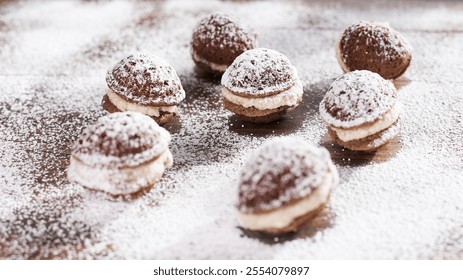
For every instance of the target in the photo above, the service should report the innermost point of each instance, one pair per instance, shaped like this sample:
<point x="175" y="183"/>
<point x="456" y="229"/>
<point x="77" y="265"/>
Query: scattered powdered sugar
<point x="392" y="204"/>
<point x="259" y="72"/>
<point x="146" y="80"/>
<point x="280" y="171"/>
<point x="125" y="139"/>
<point x="356" y="98"/>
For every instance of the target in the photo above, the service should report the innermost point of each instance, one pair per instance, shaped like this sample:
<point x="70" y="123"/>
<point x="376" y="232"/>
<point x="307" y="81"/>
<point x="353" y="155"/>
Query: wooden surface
<point x="53" y="58"/>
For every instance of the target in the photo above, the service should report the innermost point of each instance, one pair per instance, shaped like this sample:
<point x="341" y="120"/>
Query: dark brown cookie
<point x="144" y="79"/>
<point x="219" y="39"/>
<point x="375" y="47"/>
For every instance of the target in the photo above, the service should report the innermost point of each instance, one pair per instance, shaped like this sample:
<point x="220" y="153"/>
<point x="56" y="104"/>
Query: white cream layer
<point x="212" y="65"/>
<point x="289" y="97"/>
<point x="119" y="181"/>
<point x="284" y="216"/>
<point x="124" y="105"/>
<point x="363" y="131"/>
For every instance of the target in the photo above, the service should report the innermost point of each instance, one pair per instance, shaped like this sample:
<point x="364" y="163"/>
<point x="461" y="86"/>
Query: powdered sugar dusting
<point x="389" y="43"/>
<point x="405" y="206"/>
<point x="259" y="72"/>
<point x="146" y="80"/>
<point x="282" y="170"/>
<point x="224" y="32"/>
<point x="357" y="98"/>
<point x="121" y="140"/>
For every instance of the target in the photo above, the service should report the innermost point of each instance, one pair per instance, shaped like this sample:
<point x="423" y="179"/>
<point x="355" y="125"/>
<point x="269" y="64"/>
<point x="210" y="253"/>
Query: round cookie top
<point x="124" y="139"/>
<point x="145" y="79"/>
<point x="376" y="47"/>
<point x="220" y="38"/>
<point x="258" y="73"/>
<point x="357" y="98"/>
<point x="281" y="171"/>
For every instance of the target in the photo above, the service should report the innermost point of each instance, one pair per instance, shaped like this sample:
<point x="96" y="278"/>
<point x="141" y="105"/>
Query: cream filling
<point x="284" y="216"/>
<point x="349" y="134"/>
<point x="124" y="105"/>
<point x="119" y="181"/>
<point x="212" y="65"/>
<point x="289" y="97"/>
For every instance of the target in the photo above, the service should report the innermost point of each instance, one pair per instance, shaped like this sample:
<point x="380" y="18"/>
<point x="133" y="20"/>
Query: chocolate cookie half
<point x="375" y="47"/>
<point x="121" y="153"/>
<point x="218" y="40"/>
<point x="261" y="85"/>
<point x="146" y="84"/>
<point x="284" y="184"/>
<point x="361" y="111"/>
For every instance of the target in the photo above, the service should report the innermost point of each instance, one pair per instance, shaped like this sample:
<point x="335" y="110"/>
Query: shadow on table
<point x="313" y="94"/>
<point x="345" y="157"/>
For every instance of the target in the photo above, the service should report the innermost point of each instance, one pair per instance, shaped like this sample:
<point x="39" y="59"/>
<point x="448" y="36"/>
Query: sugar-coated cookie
<point x="261" y="85"/>
<point x="284" y="184"/>
<point x="375" y="47"/>
<point x="121" y="153"/>
<point x="361" y="111"/>
<point x="144" y="83"/>
<point x="218" y="40"/>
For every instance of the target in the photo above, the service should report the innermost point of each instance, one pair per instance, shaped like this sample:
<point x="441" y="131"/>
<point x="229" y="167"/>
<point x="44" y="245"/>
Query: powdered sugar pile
<point x="357" y="98"/>
<point x="403" y="203"/>
<point x="282" y="170"/>
<point x="259" y="72"/>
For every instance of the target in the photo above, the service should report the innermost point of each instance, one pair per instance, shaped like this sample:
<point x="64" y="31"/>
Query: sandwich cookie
<point x="361" y="111"/>
<point x="374" y="46"/>
<point x="261" y="86"/>
<point x="218" y="40"/>
<point x="146" y="84"/>
<point x="121" y="153"/>
<point x="284" y="184"/>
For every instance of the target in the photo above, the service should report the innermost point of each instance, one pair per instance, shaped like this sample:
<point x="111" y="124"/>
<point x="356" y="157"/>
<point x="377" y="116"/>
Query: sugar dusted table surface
<point x="405" y="201"/>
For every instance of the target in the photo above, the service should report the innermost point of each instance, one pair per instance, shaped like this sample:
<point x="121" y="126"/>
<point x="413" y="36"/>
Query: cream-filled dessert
<point x="359" y="132"/>
<point x="218" y="40"/>
<point x="289" y="97"/>
<point x="206" y="64"/>
<point x="361" y="111"/>
<point x="121" y="153"/>
<point x="146" y="84"/>
<point x="152" y="111"/>
<point x="261" y="85"/>
<point x="284" y="184"/>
